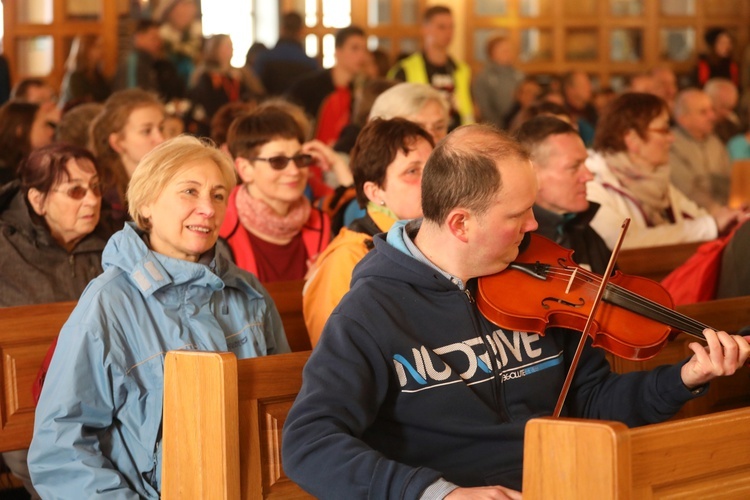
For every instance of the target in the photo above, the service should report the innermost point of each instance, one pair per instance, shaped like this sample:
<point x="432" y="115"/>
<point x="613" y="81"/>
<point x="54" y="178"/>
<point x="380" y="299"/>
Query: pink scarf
<point x="258" y="217"/>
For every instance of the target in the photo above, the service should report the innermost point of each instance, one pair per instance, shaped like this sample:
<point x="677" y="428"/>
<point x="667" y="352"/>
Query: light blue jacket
<point x="98" y="423"/>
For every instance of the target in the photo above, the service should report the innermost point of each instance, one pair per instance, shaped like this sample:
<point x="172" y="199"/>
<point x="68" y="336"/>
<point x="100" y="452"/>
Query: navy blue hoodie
<point x="401" y="390"/>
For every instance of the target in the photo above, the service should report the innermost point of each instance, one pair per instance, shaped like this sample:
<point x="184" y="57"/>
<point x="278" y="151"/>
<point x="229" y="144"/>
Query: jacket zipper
<point x="497" y="384"/>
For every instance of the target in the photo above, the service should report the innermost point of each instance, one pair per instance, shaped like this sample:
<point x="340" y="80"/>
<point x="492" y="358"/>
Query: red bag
<point x="696" y="280"/>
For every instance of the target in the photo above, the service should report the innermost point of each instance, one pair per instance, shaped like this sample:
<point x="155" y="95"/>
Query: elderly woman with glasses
<point x="165" y="286"/>
<point x="51" y="241"/>
<point x="271" y="227"/>
<point x="631" y="179"/>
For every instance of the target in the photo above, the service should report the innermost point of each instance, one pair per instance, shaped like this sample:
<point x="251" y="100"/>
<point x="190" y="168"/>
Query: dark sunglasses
<point x="280" y="162"/>
<point x="79" y="192"/>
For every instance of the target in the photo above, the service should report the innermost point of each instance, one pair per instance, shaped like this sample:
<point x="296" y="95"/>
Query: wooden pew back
<point x="287" y="295"/>
<point x="725" y="393"/>
<point x="655" y="262"/>
<point x="701" y="457"/>
<point x="739" y="187"/>
<point x="26" y="332"/>
<point x="222" y="425"/>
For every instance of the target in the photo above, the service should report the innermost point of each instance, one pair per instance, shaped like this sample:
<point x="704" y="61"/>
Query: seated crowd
<point x="383" y="195"/>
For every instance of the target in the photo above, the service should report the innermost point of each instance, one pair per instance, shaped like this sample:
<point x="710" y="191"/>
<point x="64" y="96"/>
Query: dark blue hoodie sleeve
<point x="636" y="398"/>
<point x="344" y="384"/>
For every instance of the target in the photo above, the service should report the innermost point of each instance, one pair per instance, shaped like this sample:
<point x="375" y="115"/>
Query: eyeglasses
<point x="79" y="192"/>
<point x="280" y="162"/>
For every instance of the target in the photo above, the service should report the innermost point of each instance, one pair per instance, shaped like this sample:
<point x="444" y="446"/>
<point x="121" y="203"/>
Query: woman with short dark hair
<point x="631" y="179"/>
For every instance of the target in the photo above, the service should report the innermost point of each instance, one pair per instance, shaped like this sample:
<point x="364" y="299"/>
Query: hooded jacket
<point x="35" y="268"/>
<point x="410" y="384"/>
<point x="97" y="432"/>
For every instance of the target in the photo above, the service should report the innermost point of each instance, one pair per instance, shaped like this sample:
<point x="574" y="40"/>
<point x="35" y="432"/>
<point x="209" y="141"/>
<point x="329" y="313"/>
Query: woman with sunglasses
<point x="97" y="431"/>
<point x="51" y="241"/>
<point x="271" y="227"/>
<point x="631" y="179"/>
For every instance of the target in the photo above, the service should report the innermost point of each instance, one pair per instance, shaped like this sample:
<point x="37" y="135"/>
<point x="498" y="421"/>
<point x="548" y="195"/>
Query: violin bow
<point x="590" y="320"/>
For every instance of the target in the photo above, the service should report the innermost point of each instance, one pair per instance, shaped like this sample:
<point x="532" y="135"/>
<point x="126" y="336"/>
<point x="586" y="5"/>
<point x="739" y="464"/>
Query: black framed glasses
<point x="78" y="192"/>
<point x="280" y="162"/>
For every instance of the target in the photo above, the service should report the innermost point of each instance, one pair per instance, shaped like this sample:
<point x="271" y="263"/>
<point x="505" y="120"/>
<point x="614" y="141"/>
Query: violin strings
<point x="672" y="318"/>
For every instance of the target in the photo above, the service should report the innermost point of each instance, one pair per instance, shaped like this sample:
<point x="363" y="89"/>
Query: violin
<point x="545" y="288"/>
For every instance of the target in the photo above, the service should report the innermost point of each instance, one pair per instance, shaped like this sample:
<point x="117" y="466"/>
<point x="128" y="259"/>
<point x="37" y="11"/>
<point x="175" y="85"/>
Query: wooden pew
<point x="739" y="185"/>
<point x="701" y="457"/>
<point x="222" y="425"/>
<point x="287" y="295"/>
<point x="26" y="333"/>
<point x="724" y="393"/>
<point x="655" y="262"/>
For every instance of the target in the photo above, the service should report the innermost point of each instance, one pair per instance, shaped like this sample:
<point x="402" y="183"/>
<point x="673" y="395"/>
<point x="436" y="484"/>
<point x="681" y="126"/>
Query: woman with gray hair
<point x="165" y="286"/>
<point x="417" y="102"/>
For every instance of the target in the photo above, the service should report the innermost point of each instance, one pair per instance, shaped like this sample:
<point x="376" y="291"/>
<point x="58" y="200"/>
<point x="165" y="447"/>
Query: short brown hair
<point x="462" y="171"/>
<point x="435" y="10"/>
<point x="629" y="111"/>
<point x="377" y="146"/>
<point x="532" y="134"/>
<point x="248" y="133"/>
<point x="224" y="117"/>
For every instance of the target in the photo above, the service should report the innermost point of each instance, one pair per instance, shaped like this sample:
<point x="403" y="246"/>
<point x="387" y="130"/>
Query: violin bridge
<point x="570" y="281"/>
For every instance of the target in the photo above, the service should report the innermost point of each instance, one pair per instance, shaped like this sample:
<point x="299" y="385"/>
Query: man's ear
<point x="36" y="200"/>
<point x="458" y="223"/>
<point x="245" y="169"/>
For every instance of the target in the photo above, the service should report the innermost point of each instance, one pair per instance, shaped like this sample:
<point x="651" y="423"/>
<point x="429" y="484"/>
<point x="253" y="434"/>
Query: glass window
<point x="336" y="14"/>
<point x="329" y="50"/>
<point x="626" y="45"/>
<point x="311" y="45"/>
<point x="374" y="43"/>
<point x="84" y="9"/>
<point x="490" y="7"/>
<point x="35" y="56"/>
<point x="535" y="8"/>
<point x="311" y="13"/>
<point x="677" y="44"/>
<point x="678" y="7"/>
<point x="239" y="26"/>
<point x="480" y="41"/>
<point x="378" y="12"/>
<point x="581" y="45"/>
<point x="627" y="7"/>
<point x="409" y="12"/>
<point x="536" y="45"/>
<point x="580" y="8"/>
<point x="34" y="12"/>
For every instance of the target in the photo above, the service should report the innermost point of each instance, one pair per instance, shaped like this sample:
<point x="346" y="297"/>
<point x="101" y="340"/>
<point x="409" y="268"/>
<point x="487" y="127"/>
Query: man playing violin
<point x="411" y="393"/>
<point x="561" y="209"/>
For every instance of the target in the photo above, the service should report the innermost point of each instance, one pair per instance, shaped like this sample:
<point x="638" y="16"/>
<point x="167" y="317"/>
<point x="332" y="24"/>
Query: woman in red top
<point x="271" y="227"/>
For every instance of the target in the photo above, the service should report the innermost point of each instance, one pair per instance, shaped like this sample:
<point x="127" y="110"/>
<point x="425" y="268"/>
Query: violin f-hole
<point x="580" y="303"/>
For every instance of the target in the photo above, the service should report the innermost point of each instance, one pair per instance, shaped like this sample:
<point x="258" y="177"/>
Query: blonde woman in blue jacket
<point x="165" y="286"/>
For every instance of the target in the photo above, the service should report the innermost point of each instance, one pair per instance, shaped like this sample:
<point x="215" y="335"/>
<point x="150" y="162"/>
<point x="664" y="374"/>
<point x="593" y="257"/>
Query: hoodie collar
<point x="400" y="236"/>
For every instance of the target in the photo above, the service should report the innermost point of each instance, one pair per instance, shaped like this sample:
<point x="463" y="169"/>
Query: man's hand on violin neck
<point x="723" y="356"/>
